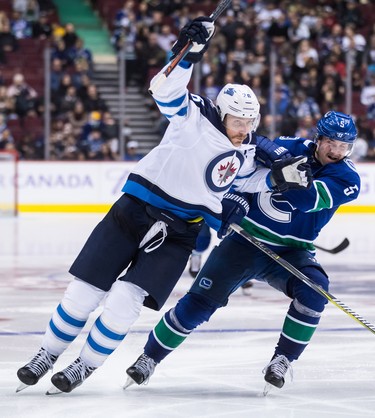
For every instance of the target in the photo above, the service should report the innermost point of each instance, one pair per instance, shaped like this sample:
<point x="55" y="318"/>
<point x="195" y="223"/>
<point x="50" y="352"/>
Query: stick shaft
<point x="303" y="278"/>
<point x="158" y="81"/>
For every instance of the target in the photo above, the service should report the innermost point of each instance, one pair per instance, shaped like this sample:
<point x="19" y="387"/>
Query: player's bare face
<point x="237" y="128"/>
<point x="331" y="151"/>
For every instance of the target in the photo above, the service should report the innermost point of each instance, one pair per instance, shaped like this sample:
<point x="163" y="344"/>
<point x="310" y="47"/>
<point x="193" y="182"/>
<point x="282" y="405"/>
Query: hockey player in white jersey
<point x="152" y="229"/>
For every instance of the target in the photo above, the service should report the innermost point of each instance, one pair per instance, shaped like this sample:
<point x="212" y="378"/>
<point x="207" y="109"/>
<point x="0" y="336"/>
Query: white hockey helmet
<point x="238" y="100"/>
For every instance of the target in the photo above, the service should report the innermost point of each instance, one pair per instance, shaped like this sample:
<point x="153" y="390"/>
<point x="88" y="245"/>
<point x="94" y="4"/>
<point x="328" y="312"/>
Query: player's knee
<point x="123" y="304"/>
<point x="192" y="310"/>
<point x="81" y="298"/>
<point x="308" y="296"/>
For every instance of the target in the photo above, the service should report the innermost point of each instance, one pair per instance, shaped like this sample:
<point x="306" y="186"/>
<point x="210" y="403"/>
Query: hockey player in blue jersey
<point x="288" y="223"/>
<point x="151" y="230"/>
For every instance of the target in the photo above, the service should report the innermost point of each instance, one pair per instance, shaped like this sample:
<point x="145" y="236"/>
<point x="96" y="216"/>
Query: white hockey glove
<point x="199" y="31"/>
<point x="291" y="174"/>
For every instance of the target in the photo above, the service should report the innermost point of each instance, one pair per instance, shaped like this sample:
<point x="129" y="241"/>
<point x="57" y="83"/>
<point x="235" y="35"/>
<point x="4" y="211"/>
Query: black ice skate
<point x="35" y="369"/>
<point x="275" y="371"/>
<point x="141" y="371"/>
<point x="71" y="377"/>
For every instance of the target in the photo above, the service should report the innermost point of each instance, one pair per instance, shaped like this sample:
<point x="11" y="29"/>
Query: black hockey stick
<point x="185" y="50"/>
<point x="303" y="278"/>
<point x="341" y="247"/>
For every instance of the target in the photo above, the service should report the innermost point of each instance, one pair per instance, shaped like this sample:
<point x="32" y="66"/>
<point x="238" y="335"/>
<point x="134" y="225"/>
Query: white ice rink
<point x="217" y="372"/>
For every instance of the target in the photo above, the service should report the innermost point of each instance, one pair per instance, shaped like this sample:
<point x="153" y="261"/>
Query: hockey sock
<point x="122" y="307"/>
<point x="299" y="326"/>
<point x="165" y="337"/>
<point x="79" y="300"/>
<point x="190" y="311"/>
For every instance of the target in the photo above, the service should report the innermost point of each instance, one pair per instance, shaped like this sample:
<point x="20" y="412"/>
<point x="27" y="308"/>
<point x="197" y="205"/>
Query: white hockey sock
<point x="80" y="299"/>
<point x="121" y="309"/>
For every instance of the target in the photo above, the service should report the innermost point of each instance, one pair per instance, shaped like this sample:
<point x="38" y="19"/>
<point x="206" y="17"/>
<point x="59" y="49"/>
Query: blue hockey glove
<point x="199" y="31"/>
<point x="291" y="174"/>
<point x="267" y="151"/>
<point x="235" y="208"/>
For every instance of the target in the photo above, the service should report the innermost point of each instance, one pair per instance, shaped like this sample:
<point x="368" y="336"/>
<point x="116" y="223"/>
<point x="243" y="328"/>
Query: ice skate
<point x="195" y="263"/>
<point x="141" y="371"/>
<point x="275" y="371"/>
<point x="35" y="369"/>
<point x="246" y="288"/>
<point x="71" y="377"/>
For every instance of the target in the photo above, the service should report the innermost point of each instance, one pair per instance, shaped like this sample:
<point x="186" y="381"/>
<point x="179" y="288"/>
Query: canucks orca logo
<point x="230" y="91"/>
<point x="205" y="283"/>
<point x="223" y="169"/>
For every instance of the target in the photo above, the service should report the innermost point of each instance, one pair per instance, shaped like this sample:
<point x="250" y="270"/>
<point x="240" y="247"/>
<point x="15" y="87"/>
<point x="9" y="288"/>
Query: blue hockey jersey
<point x="295" y="218"/>
<point x="195" y="163"/>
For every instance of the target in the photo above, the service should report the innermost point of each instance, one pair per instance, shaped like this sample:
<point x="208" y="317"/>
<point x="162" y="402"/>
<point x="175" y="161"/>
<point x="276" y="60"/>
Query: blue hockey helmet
<point x="337" y="126"/>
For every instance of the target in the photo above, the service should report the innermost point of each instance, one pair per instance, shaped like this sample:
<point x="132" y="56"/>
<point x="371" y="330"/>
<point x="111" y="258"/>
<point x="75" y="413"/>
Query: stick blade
<point x="341" y="247"/>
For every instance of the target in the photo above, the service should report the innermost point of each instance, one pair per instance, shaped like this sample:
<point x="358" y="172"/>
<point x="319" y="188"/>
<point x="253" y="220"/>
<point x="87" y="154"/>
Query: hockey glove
<point x="235" y="208"/>
<point x="291" y="173"/>
<point x="267" y="151"/>
<point x="199" y="31"/>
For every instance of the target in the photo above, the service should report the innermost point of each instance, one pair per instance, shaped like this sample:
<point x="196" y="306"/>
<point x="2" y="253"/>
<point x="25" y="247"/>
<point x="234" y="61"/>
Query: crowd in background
<point x="311" y="41"/>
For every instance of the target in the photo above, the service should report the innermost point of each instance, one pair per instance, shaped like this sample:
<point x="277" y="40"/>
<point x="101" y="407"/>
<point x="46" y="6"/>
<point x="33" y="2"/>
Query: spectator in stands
<point x="82" y="57"/>
<point x="70" y="37"/>
<point x="67" y="102"/>
<point x="20" y="27"/>
<point x="41" y="28"/>
<point x="354" y="41"/>
<point x="94" y="122"/>
<point x="23" y="96"/>
<point x="110" y="131"/>
<point x="77" y="117"/>
<point x="56" y="74"/>
<point x="6" y="140"/>
<point x="92" y="147"/>
<point x="93" y="101"/>
<point x="368" y="97"/>
<point x="132" y="153"/>
<point x="6" y="103"/>
<point x="8" y="42"/>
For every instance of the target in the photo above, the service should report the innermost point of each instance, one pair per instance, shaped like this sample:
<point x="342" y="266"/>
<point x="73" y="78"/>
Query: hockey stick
<point x="303" y="278"/>
<point x="184" y="51"/>
<point x="341" y="247"/>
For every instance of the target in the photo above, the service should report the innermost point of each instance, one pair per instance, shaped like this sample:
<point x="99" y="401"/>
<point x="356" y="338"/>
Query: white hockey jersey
<point x="195" y="163"/>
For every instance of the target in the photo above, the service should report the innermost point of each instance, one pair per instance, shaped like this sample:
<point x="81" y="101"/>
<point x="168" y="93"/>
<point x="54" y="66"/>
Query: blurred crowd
<point x="312" y="42"/>
<point x="314" y="45"/>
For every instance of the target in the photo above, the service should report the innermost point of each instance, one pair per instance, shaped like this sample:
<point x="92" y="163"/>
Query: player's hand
<point x="291" y="173"/>
<point x="235" y="208"/>
<point x="268" y="151"/>
<point x="199" y="31"/>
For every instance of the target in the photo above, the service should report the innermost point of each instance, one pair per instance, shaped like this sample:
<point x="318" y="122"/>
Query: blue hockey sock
<point x="165" y="337"/>
<point x="299" y="326"/>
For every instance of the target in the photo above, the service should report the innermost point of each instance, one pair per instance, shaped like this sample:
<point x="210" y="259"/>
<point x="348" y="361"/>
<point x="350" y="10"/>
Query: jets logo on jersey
<point x="222" y="170"/>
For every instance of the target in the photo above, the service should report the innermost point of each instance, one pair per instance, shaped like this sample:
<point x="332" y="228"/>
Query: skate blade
<point x="22" y="386"/>
<point x="53" y="391"/>
<point x="128" y="383"/>
<point x="267" y="389"/>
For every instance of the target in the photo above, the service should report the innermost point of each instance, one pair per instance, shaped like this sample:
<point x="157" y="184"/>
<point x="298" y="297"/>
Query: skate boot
<point x="195" y="263"/>
<point x="275" y="371"/>
<point x="35" y="369"/>
<point x="141" y="371"/>
<point x="71" y="377"/>
<point x="246" y="288"/>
